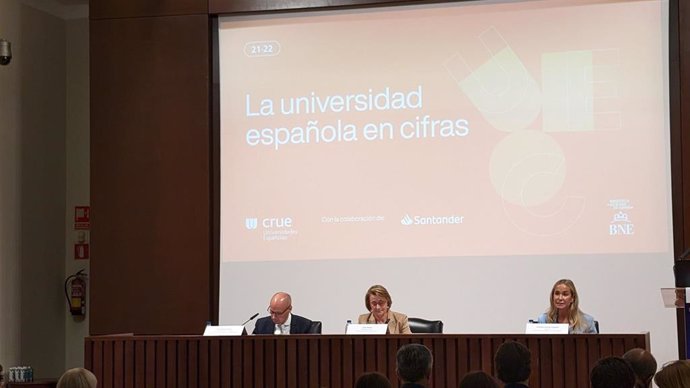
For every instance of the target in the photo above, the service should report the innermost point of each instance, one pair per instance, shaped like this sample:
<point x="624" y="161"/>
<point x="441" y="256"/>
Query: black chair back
<point x="681" y="270"/>
<point x="419" y="325"/>
<point x="315" y="327"/>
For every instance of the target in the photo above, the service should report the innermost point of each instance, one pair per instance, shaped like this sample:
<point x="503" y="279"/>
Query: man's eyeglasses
<point x="277" y="312"/>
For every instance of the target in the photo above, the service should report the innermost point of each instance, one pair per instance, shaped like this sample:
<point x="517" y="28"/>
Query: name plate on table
<point x="226" y="330"/>
<point x="357" y="328"/>
<point x="546" y="328"/>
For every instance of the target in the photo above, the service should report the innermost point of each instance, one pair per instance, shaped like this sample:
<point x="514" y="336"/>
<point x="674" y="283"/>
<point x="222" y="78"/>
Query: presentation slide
<point x="462" y="129"/>
<point x="465" y="155"/>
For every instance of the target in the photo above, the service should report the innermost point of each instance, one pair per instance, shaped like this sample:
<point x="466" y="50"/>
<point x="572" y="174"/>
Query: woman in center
<point x="378" y="301"/>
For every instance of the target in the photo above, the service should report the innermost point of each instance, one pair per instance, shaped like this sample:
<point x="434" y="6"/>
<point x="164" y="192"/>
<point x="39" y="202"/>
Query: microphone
<point x="248" y="320"/>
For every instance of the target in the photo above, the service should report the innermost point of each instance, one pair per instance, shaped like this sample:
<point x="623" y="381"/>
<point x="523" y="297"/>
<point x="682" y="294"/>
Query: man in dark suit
<point x="281" y="320"/>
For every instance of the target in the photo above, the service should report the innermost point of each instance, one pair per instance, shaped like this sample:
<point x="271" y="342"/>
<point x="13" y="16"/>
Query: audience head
<point x="414" y="363"/>
<point x="612" y="372"/>
<point x="280" y="307"/>
<point x="378" y="301"/>
<point x="643" y="364"/>
<point x="513" y="362"/>
<point x="373" y="380"/>
<point x="675" y="374"/>
<point x="77" y="378"/>
<point x="478" y="379"/>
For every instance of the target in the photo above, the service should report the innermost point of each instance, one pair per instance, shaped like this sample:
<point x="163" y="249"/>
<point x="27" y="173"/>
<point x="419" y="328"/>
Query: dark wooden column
<point x="679" y="93"/>
<point x="150" y="166"/>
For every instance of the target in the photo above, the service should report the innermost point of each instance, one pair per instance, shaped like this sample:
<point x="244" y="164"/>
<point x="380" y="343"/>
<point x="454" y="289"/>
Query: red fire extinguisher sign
<point x="81" y="251"/>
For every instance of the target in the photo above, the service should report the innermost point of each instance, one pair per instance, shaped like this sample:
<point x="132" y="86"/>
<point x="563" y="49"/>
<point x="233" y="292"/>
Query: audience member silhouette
<point x="413" y="365"/>
<point x="373" y="380"/>
<point x="675" y="374"/>
<point x="612" y="372"/>
<point x="643" y="364"/>
<point x="478" y="379"/>
<point x="513" y="364"/>
<point x="77" y="378"/>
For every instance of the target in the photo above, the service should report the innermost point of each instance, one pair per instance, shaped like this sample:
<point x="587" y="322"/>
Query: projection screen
<point x="465" y="155"/>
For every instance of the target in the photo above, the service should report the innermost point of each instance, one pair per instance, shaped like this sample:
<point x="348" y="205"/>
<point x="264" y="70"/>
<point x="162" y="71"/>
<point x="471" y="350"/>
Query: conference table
<point x="334" y="361"/>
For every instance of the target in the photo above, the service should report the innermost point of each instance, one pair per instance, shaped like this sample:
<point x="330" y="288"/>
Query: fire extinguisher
<point x="75" y="292"/>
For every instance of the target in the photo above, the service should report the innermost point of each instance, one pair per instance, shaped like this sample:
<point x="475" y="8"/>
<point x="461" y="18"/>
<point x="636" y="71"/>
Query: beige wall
<point x="77" y="178"/>
<point x="43" y="92"/>
<point x="10" y="191"/>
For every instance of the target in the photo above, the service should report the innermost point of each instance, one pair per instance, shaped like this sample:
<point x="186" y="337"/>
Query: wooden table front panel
<point x="333" y="361"/>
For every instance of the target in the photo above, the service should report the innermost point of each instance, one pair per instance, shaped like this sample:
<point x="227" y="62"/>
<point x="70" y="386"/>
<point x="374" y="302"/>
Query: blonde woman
<point x="675" y="374"/>
<point x="77" y="378"/>
<point x="565" y="308"/>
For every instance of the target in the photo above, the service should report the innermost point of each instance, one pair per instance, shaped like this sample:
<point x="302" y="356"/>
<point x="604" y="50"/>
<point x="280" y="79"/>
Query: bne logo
<point x="268" y="223"/>
<point x="621" y="225"/>
<point x="621" y="229"/>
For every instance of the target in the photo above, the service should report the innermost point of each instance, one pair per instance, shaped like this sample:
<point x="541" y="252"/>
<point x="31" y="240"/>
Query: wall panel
<point x="241" y="6"/>
<point x="107" y="9"/>
<point x="150" y="179"/>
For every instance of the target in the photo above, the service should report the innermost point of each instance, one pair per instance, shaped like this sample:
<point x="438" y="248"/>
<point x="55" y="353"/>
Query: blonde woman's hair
<point x="675" y="374"/>
<point x="77" y="378"/>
